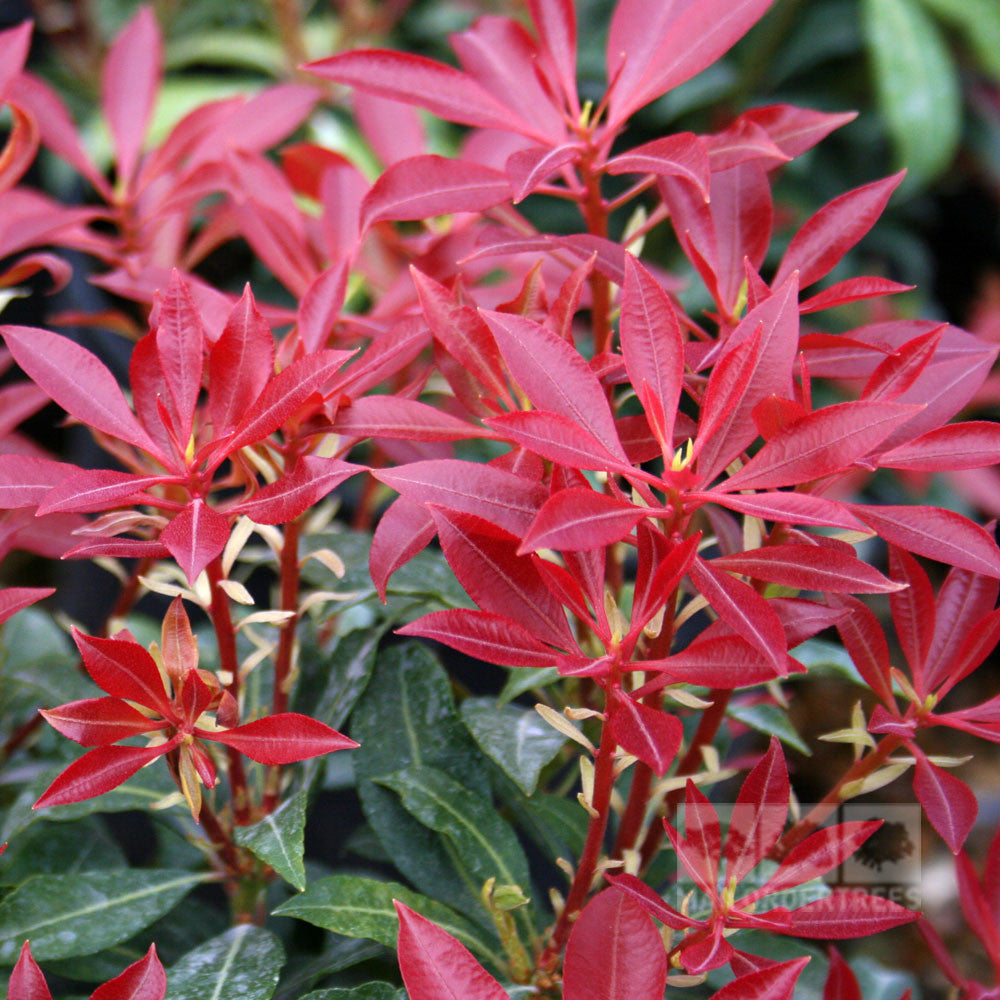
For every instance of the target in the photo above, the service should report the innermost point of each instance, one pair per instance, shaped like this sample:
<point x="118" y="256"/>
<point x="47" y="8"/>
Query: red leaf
<point x="14" y="599"/>
<point x="442" y="90"/>
<point x="912" y="610"/>
<point x="129" y="83"/>
<point x="286" y="498"/>
<point x="98" y="722"/>
<point x="500" y="497"/>
<point x="980" y="641"/>
<point x="774" y="983"/>
<point x="240" y="364"/>
<point x="558" y="439"/>
<point x="971" y="445"/>
<point x="424" y="186"/>
<point x="142" y="980"/>
<point x="485" y="636"/>
<point x="195" y="537"/>
<point x="937" y="534"/>
<point x="123" y="669"/>
<point x="98" y="489"/>
<point x="897" y="372"/>
<point x="974" y="905"/>
<point x="99" y="771"/>
<point x="948" y="803"/>
<point x="580" y="519"/>
<point x="652" y="903"/>
<point x="703" y="839"/>
<point x="821" y="444"/>
<point x="15" y="43"/>
<point x="653" y="348"/>
<point x="320" y="307"/>
<point x="554" y="376"/>
<point x="682" y="155"/>
<point x="498" y="579"/>
<point x="283" y="395"/>
<point x="180" y="346"/>
<point x="841" y="983"/>
<point x="819" y="853"/>
<point x="794" y="130"/>
<point x="555" y="23"/>
<point x="757" y="363"/>
<point x="281" y="739"/>
<point x="963" y="599"/>
<point x="758" y="815"/>
<point x="26" y="979"/>
<point x="26" y="479"/>
<point x="866" y="643"/>
<point x="647" y="733"/>
<point x="77" y="381"/>
<point x="852" y="290"/>
<point x="809" y="567"/>
<point x="406" y="419"/>
<point x="725" y="661"/>
<point x="834" y="229"/>
<point x="614" y="952"/>
<point x="528" y="168"/>
<point x="402" y="531"/>
<point x="437" y="966"/>
<point x="785" y="508"/>
<point x="655" y="47"/>
<point x="847" y="915"/>
<point x="743" y="610"/>
<point x="743" y="141"/>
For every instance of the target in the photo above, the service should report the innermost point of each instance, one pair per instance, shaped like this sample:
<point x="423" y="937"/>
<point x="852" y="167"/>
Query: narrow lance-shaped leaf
<point x="647" y="733"/>
<point x="285" y="499"/>
<point x="195" y="537"/>
<point x="282" y="739"/>
<point x="949" y="803"/>
<point x="580" y="519"/>
<point x="180" y="346"/>
<point x="435" y="965"/>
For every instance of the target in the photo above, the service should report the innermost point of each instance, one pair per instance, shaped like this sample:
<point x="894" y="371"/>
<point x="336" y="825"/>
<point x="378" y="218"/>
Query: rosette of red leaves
<point x="173" y="704"/>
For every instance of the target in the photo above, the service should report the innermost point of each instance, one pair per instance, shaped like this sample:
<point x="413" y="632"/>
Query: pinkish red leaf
<point x="403" y="530"/>
<point x="937" y="534"/>
<point x="841" y="983"/>
<point x="195" y="537"/>
<point x="485" y="636"/>
<point x="281" y="739"/>
<point x="897" y="372"/>
<point x="777" y="982"/>
<point x="741" y="142"/>
<point x="142" y="980"/>
<point x="26" y="979"/>
<point x="14" y="599"/>
<point x="947" y="802"/>
<point x="847" y="915"/>
<point x="406" y="419"/>
<point x="554" y="376"/>
<point x="794" y="130"/>
<point x="506" y="500"/>
<point x="821" y="444"/>
<point x="98" y="489"/>
<point x="99" y="771"/>
<point x="129" y="83"/>
<point x="15" y="43"/>
<point x="240" y="364"/>
<point x="653" y="348"/>
<point x="288" y="497"/>
<point x="77" y="381"/>
<point x="809" y="567"/>
<point x="784" y="508"/>
<point x="394" y="130"/>
<point x="124" y="669"/>
<point x="725" y="661"/>
<point x="446" y="92"/>
<point x="98" y="722"/>
<point x="578" y="519"/>
<point x="321" y="304"/>
<point x="852" y="290"/>
<point x="867" y="646"/>
<point x="647" y="733"/>
<point x="650" y="901"/>
<point x="758" y="815"/>
<point x="425" y="186"/>
<point x="437" y="966"/>
<point x="971" y="445"/>
<point x="614" y="952"/>
<point x="975" y="908"/>
<point x="743" y="610"/>
<point x="682" y="155"/>
<point x="963" y="599"/>
<point x="555" y="24"/>
<point x="912" y="610"/>
<point x="528" y="168"/>
<point x="821" y="242"/>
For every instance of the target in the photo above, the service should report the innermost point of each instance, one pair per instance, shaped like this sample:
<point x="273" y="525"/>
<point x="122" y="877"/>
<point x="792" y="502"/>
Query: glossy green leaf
<point x="826" y="659"/>
<point x="979" y="22"/>
<point x="522" y="679"/>
<point x="484" y="842"/>
<point x="772" y="721"/>
<point x="278" y="839"/>
<point x="557" y="825"/>
<point x="370" y="991"/>
<point x="242" y="964"/>
<point x="407" y="717"/>
<point x="362" y="907"/>
<point x="60" y="849"/>
<point x="66" y="915"/>
<point x="517" y="739"/>
<point x="917" y="85"/>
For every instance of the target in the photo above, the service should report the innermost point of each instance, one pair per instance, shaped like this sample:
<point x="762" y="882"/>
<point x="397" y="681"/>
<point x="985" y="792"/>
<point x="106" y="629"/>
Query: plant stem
<point x="225" y="636"/>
